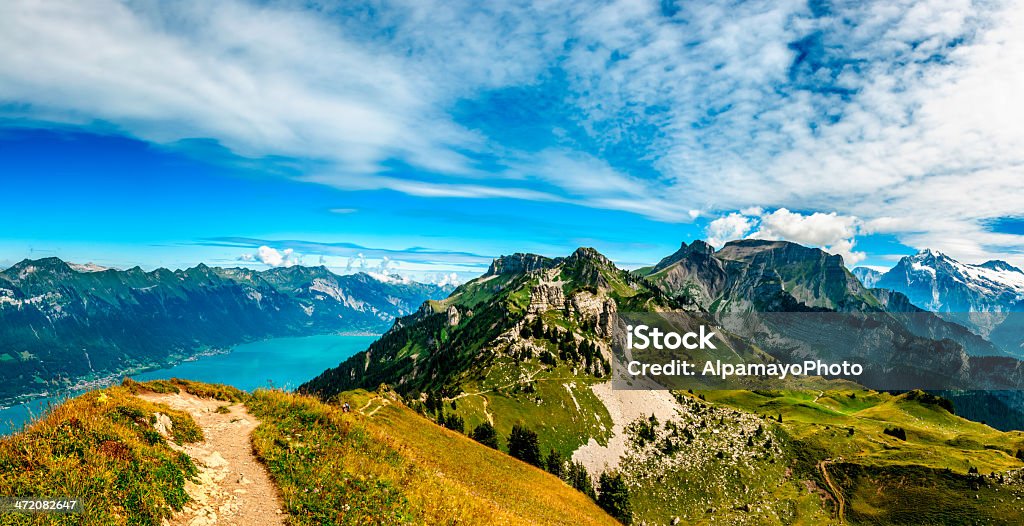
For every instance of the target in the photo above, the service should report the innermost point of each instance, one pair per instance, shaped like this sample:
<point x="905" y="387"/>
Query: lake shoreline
<point x="86" y="383"/>
<point x="269" y="362"/>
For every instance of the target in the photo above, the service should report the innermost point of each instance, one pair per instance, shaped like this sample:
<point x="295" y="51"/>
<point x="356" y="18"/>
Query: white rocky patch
<point x="624" y="406"/>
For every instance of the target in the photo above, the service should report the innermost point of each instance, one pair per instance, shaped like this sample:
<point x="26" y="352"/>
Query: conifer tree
<point x="613" y="497"/>
<point x="486" y="435"/>
<point x="522" y="444"/>
<point x="555" y="463"/>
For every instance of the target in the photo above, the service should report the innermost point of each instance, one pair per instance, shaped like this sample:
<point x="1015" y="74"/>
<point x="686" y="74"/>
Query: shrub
<point x="486" y="435"/>
<point x="522" y="444"/>
<point x="899" y="433"/>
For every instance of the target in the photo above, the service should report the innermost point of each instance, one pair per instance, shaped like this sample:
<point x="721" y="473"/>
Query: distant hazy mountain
<point x="60" y="323"/>
<point x="868" y="276"/>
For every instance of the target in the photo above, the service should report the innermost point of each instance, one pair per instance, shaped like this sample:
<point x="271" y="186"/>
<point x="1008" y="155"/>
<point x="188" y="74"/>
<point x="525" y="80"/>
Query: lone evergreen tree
<point x="613" y="497"/>
<point x="486" y="435"/>
<point x="452" y="421"/>
<point x="522" y="444"/>
<point x="554" y="463"/>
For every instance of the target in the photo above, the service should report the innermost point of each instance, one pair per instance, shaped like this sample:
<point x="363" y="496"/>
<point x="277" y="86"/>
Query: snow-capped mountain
<point x="988" y="298"/>
<point x="937" y="282"/>
<point x="868" y="276"/>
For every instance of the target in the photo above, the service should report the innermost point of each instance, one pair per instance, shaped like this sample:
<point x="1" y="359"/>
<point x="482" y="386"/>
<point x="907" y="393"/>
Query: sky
<point x="426" y="137"/>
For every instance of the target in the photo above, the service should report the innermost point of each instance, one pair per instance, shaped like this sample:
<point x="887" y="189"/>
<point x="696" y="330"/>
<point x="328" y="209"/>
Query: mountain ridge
<point x="59" y="325"/>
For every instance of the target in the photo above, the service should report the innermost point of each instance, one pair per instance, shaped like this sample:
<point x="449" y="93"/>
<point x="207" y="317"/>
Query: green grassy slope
<point x="947" y="470"/>
<point x="394" y="467"/>
<point x="397" y="467"/>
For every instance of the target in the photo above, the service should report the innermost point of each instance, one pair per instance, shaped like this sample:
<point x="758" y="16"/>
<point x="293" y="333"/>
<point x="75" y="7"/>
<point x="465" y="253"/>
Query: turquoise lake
<point x="283" y="363"/>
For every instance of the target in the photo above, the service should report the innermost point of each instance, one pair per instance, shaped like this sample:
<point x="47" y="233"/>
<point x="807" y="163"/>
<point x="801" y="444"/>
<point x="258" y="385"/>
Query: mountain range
<point x="575" y="298"/>
<point x="62" y="323"/>
<point x="525" y="350"/>
<point x="936" y="282"/>
<point x="527" y="345"/>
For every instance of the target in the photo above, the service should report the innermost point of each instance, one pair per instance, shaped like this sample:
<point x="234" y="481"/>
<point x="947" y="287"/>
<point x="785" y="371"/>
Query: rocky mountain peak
<point x="937" y="282"/>
<point x="867" y="276"/>
<point x="929" y="256"/>
<point x="518" y="263"/>
<point x="48" y="263"/>
<point x="31" y="268"/>
<point x="698" y="247"/>
<point x="779" y="252"/>
<point x="588" y="254"/>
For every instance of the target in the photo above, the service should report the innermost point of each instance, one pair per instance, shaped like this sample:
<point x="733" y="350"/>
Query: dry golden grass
<point x="222" y="392"/>
<point x="501" y="489"/>
<point x="100" y="447"/>
<point x="400" y="468"/>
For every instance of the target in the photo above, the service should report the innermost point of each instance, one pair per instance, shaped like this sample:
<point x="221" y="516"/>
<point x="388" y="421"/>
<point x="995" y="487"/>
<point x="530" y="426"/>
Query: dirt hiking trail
<point x="233" y="486"/>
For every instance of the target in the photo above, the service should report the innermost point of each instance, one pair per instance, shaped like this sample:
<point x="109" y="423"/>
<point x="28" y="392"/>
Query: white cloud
<point x="262" y="81"/>
<point x="357" y="262"/>
<point x="831" y="232"/>
<point x="816" y="229"/>
<point x="446" y="279"/>
<point x="273" y="257"/>
<point x="728" y="228"/>
<point x="905" y="114"/>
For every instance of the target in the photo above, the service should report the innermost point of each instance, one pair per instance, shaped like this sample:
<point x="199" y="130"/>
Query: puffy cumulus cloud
<point x="272" y="257"/>
<point x="386" y="265"/>
<point x="357" y="262"/>
<point x="444" y="280"/>
<point x="844" y="247"/>
<point x="831" y="232"/>
<point x="727" y="228"/>
<point x="816" y="229"/>
<point x="353" y="257"/>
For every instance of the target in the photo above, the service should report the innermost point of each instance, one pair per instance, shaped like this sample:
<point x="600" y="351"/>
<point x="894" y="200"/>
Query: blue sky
<point x="425" y="138"/>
